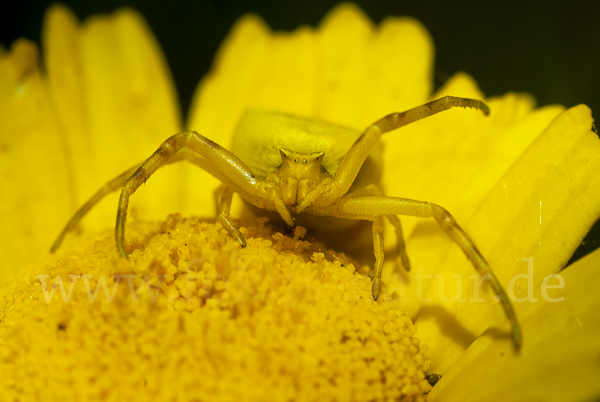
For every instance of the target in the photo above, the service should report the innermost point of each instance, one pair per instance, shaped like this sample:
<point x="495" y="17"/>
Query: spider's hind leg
<point x="374" y="189"/>
<point x="379" y="255"/>
<point x="374" y="207"/>
<point x="400" y="244"/>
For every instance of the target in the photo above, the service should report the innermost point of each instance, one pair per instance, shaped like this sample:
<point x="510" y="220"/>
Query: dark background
<point x="550" y="49"/>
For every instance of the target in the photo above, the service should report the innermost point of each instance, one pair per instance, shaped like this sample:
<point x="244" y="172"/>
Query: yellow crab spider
<point x="300" y="169"/>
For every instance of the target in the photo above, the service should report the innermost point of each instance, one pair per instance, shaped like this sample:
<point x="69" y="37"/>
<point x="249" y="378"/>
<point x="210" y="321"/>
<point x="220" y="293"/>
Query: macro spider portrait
<point x="322" y="174"/>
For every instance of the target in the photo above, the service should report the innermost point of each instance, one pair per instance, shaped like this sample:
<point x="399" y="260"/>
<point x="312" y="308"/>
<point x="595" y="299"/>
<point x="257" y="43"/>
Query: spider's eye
<point x="304" y="161"/>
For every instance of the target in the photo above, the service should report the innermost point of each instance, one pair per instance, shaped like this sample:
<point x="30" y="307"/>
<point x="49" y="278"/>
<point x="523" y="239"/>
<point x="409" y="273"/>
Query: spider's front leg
<point x="375" y="207"/>
<point x="190" y="145"/>
<point x="199" y="150"/>
<point x="331" y="190"/>
<point x="108" y="188"/>
<point x="213" y="158"/>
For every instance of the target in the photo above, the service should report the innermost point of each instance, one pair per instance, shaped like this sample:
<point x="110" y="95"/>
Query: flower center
<point x="278" y="320"/>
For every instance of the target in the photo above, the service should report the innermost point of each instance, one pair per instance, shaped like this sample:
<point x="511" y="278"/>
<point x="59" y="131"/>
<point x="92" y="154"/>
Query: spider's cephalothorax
<point x="298" y="175"/>
<point x="299" y="182"/>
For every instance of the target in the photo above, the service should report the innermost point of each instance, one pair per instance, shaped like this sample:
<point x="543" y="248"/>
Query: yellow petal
<point x="375" y="72"/>
<point x="540" y="209"/>
<point x="34" y="194"/>
<point x="559" y="360"/>
<point x="308" y="73"/>
<point x="454" y="159"/>
<point x="116" y="104"/>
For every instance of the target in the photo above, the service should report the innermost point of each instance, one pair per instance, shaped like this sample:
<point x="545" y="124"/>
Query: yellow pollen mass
<point x="192" y="316"/>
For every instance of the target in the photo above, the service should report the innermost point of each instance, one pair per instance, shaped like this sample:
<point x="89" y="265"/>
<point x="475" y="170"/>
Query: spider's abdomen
<point x="261" y="134"/>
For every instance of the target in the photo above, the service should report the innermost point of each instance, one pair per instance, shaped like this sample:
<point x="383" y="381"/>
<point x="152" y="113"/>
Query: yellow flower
<point x="280" y="320"/>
